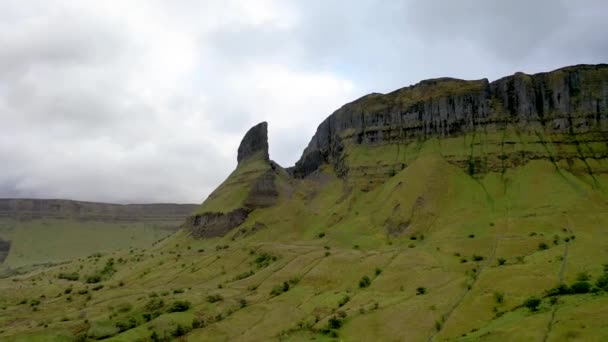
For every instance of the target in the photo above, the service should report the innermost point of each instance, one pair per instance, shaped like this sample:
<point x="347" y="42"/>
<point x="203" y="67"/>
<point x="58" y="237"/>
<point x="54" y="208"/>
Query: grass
<point x="292" y="289"/>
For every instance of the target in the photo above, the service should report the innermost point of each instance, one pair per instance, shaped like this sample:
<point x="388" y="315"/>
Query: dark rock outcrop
<point x="210" y="225"/>
<point x="568" y="100"/>
<point x="255" y="141"/>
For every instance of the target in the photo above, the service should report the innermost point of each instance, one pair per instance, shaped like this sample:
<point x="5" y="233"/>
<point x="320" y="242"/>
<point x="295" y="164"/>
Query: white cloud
<point x="143" y="101"/>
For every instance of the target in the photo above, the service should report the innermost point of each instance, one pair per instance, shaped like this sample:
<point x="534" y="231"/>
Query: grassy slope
<point x="56" y="240"/>
<point x="452" y="215"/>
<point x="233" y="192"/>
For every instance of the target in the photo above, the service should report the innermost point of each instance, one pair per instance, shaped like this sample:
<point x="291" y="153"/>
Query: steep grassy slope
<point x="461" y="239"/>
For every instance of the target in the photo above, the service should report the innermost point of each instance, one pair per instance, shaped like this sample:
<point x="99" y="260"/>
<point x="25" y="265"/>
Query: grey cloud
<point x="140" y="104"/>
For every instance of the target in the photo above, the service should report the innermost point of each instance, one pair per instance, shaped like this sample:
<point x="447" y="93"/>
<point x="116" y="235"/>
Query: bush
<point x="198" y="323"/>
<point x="343" y="300"/>
<point x="279" y="289"/>
<point x="583" y="276"/>
<point x="124" y="326"/>
<point x="154" y="304"/>
<point x="602" y="282"/>
<point x="74" y="276"/>
<point x="559" y="290"/>
<point x="179" y="331"/>
<point x="378" y="271"/>
<point x="321" y="235"/>
<point x="580" y="287"/>
<point x="499" y="297"/>
<point x="93" y="278"/>
<point x="179" y="306"/>
<point x="501" y="261"/>
<point x="532" y="303"/>
<point x="365" y="282"/>
<point x="477" y="257"/>
<point x="334" y="323"/>
<point x="420" y="291"/>
<point x="471" y="236"/>
<point x="214" y="298"/>
<point x="542" y="246"/>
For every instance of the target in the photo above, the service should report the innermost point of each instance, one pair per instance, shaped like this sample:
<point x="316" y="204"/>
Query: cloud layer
<point x="146" y="101"/>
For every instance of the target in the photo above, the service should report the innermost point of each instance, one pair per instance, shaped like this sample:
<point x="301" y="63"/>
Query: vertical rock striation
<point x="571" y="100"/>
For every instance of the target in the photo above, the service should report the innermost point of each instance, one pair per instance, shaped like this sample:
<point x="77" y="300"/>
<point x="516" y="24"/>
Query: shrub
<point x="420" y="291"/>
<point x="127" y="325"/>
<point x="74" y="276"/>
<point x="602" y="281"/>
<point x="321" y="235"/>
<point x="345" y="299"/>
<point x="501" y="261"/>
<point x="93" y="278"/>
<point x="98" y="287"/>
<point x="471" y="236"/>
<point x="378" y="271"/>
<point x="179" y="306"/>
<point x="532" y="303"/>
<point x="214" y="298"/>
<point x="477" y="257"/>
<point x="334" y="323"/>
<point x="583" y="276"/>
<point x="499" y="297"/>
<point x="264" y="259"/>
<point x="243" y="275"/>
<point x="542" y="246"/>
<point x="243" y="302"/>
<point x="580" y="287"/>
<point x="176" y="291"/>
<point x="179" y="331"/>
<point x="561" y="289"/>
<point x="198" y="323"/>
<point x="279" y="289"/>
<point x="154" y="304"/>
<point x="365" y="282"/>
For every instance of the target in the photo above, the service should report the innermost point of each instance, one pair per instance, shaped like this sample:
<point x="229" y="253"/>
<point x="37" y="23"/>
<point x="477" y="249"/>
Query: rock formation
<point x="254" y="141"/>
<point x="572" y="100"/>
<point x="258" y="184"/>
<point x="567" y="107"/>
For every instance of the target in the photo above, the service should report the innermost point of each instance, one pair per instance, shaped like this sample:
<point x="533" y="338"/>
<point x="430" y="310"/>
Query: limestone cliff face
<point x="571" y="100"/>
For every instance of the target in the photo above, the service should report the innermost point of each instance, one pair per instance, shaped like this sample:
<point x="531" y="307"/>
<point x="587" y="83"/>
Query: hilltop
<point x="449" y="210"/>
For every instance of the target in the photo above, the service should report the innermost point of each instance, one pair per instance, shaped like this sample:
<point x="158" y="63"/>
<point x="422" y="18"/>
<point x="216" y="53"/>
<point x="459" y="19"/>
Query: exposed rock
<point x="5" y="247"/>
<point x="263" y="193"/>
<point x="255" y="141"/>
<point x="211" y="225"/>
<point x="568" y="100"/>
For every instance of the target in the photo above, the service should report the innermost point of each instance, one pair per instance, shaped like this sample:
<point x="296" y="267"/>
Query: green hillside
<point x="497" y="233"/>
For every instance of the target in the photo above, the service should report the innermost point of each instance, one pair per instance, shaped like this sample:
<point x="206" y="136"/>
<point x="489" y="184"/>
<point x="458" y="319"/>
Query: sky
<point x="146" y="101"/>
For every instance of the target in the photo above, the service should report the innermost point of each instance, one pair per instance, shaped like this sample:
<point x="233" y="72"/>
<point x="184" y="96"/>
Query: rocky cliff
<point x="568" y="101"/>
<point x="478" y="126"/>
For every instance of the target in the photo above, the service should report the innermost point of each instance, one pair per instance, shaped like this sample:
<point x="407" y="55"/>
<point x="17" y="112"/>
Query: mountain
<point x="40" y="231"/>
<point x="447" y="210"/>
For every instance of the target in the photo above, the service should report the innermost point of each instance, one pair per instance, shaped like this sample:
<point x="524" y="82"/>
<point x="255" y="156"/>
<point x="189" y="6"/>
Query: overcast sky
<point x="146" y="101"/>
